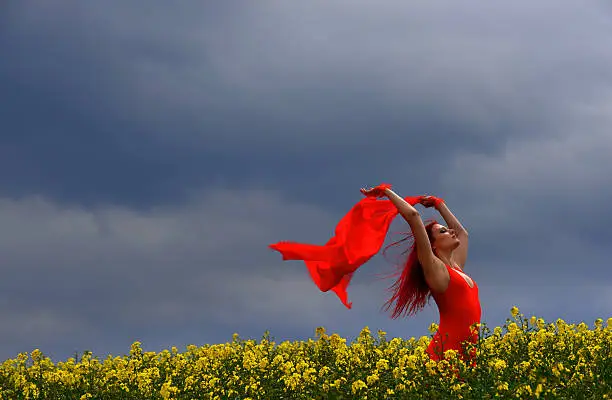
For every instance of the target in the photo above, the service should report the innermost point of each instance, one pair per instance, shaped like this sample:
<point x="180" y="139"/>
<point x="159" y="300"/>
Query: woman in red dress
<point x="435" y="267"/>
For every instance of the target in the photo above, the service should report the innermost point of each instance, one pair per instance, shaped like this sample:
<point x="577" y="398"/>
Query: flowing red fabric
<point x="358" y="237"/>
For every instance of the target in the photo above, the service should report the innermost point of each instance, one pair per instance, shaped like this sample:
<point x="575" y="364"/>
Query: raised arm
<point x="450" y="219"/>
<point x="433" y="268"/>
<point x="460" y="253"/>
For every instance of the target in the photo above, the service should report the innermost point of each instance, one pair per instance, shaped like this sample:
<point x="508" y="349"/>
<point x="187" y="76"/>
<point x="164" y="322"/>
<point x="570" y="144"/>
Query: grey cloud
<point x="199" y="272"/>
<point x="215" y="93"/>
<point x="542" y="200"/>
<point x="126" y="120"/>
<point x="194" y="266"/>
<point x="294" y="73"/>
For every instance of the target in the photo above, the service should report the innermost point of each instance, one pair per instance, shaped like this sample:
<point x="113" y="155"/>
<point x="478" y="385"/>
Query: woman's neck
<point x="446" y="257"/>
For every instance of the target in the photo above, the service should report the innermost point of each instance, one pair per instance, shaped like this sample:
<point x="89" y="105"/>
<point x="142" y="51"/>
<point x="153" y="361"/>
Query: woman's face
<point x="444" y="238"/>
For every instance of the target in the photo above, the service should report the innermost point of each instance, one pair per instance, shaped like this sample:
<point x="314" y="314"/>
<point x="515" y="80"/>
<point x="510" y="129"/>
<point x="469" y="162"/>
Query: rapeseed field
<point x="527" y="358"/>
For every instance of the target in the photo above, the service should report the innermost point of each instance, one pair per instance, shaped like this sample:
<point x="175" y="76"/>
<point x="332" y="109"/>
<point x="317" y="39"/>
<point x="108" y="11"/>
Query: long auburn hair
<point x="410" y="290"/>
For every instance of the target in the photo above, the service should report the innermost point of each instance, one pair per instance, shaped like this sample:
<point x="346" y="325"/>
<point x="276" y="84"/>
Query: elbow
<point x="410" y="213"/>
<point x="411" y="216"/>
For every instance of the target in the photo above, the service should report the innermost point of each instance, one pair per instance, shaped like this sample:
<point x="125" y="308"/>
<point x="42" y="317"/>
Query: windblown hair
<point x="410" y="290"/>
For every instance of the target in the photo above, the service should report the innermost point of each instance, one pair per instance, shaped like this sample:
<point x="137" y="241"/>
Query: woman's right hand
<point x="378" y="191"/>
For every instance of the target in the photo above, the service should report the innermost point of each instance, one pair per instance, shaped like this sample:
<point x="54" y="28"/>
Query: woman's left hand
<point x="427" y="201"/>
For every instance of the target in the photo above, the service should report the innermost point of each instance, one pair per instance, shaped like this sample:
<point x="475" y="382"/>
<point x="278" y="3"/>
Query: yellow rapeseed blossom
<point x="382" y="364"/>
<point x="451" y="354"/>
<point x="538" y="390"/>
<point x="514" y="311"/>
<point x="372" y="379"/>
<point x="598" y="324"/>
<point x="309" y="375"/>
<point x="498" y="365"/>
<point x="358" y="385"/>
<point x="524" y="389"/>
<point x="293" y="381"/>
<point x="502" y="386"/>
<point x="320" y="331"/>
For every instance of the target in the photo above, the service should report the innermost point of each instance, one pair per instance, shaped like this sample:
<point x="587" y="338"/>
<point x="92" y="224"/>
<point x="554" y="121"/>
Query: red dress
<point x="459" y="307"/>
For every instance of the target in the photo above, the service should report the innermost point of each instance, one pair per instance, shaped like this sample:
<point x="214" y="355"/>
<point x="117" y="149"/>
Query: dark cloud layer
<point x="167" y="100"/>
<point x="148" y="154"/>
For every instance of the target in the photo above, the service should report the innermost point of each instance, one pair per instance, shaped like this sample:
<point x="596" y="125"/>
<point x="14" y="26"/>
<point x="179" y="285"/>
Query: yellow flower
<point x="524" y="365"/>
<point x="320" y="331"/>
<point x="323" y="371"/>
<point x="524" y="389"/>
<point x="538" y="390"/>
<point x="309" y="375"/>
<point x="382" y="364"/>
<point x="450" y="354"/>
<point x="430" y="365"/>
<point x="339" y="382"/>
<point x="293" y="381"/>
<point x="168" y="391"/>
<point x="457" y="387"/>
<point x="263" y="363"/>
<point x="498" y="365"/>
<point x="31" y="391"/>
<point x="560" y="346"/>
<point x="433" y="327"/>
<point x="514" y="311"/>
<point x="599" y="324"/>
<point x="371" y="379"/>
<point x="358" y="385"/>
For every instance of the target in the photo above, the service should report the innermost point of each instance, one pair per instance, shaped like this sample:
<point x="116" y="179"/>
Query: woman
<point x="435" y="266"/>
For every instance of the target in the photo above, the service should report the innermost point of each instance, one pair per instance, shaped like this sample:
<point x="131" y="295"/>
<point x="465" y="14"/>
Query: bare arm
<point x="405" y="209"/>
<point x="433" y="268"/>
<point x="460" y="253"/>
<point x="450" y="219"/>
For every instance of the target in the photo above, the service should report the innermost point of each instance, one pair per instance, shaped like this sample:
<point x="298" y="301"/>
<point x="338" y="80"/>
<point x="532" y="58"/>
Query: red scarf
<point x="359" y="236"/>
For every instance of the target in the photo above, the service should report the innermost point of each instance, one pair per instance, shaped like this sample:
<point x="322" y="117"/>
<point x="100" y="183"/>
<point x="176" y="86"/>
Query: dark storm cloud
<point x="149" y="154"/>
<point x="166" y="100"/>
<point x="99" y="279"/>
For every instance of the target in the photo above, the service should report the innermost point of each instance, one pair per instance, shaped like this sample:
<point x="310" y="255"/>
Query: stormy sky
<point x="149" y="153"/>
